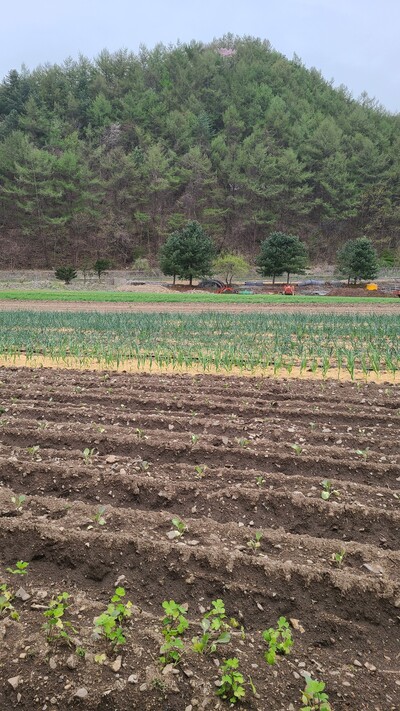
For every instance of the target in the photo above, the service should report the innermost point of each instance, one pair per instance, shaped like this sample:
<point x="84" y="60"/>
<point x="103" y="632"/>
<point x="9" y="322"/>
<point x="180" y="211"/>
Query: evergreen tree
<point x="100" y="156"/>
<point x="188" y="252"/>
<point x="169" y="256"/>
<point x="65" y="274"/>
<point x="357" y="259"/>
<point x="282" y="253"/>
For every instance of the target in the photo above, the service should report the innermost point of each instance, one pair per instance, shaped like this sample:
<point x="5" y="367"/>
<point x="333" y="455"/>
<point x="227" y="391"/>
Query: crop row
<point x="217" y="341"/>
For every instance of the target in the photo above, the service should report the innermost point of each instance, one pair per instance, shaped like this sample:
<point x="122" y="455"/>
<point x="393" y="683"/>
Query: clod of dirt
<point x="373" y="568"/>
<point x="116" y="664"/>
<point x="72" y="662"/>
<point x="14" y="681"/>
<point x="21" y="594"/>
<point x="81" y="693"/>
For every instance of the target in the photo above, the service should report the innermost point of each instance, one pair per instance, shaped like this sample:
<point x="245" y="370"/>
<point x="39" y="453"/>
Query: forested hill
<point x="107" y="157"/>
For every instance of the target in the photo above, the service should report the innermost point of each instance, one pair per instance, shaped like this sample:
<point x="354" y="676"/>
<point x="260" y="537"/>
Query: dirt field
<point x="148" y="434"/>
<point x="289" y="307"/>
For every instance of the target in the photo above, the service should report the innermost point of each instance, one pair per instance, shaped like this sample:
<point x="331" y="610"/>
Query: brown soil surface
<point x="289" y="307"/>
<point x="148" y="434"/>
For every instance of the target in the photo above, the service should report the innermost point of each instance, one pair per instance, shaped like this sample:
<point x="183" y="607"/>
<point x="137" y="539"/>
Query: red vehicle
<point x="288" y="290"/>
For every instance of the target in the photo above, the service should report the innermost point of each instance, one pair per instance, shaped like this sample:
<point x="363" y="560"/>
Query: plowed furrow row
<point x="375" y="442"/>
<point x="157" y="449"/>
<point x="329" y="394"/>
<point x="233" y="533"/>
<point x="169" y="562"/>
<point x="192" y="404"/>
<point x="293" y="512"/>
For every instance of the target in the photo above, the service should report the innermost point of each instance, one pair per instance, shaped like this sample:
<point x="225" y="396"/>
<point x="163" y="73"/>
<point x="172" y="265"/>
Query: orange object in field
<point x="288" y="290"/>
<point x="372" y="287"/>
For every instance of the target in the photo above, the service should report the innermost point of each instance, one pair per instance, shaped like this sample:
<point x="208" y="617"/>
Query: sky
<point x="352" y="42"/>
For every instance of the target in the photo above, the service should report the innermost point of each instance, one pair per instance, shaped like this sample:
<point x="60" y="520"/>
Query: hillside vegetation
<point x="108" y="157"/>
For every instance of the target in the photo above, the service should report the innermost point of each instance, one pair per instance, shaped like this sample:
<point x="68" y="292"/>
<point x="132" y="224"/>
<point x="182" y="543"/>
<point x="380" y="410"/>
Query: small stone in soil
<point x="81" y="693"/>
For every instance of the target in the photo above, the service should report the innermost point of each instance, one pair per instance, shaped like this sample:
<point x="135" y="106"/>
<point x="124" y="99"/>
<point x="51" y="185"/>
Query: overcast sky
<point x="353" y="42"/>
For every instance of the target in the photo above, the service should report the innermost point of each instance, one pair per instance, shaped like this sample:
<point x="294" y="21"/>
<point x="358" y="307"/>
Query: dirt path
<point x="129" y="307"/>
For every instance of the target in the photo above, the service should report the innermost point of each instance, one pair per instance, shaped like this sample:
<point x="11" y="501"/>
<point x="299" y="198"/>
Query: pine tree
<point x="188" y="252"/>
<point x="282" y="253"/>
<point x="357" y="259"/>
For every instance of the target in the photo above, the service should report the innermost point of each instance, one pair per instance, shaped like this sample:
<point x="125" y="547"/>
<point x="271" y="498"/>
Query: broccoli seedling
<point x="6" y="606"/>
<point x="99" y="517"/>
<point x="232" y="682"/>
<point x="178" y="530"/>
<point x="338" y="558"/>
<point x="363" y="453"/>
<point x="243" y="442"/>
<point x="314" y="697"/>
<point x="215" y="629"/>
<point x="18" y="501"/>
<point x="88" y="455"/>
<point x="20" y="568"/>
<point x="297" y="448"/>
<point x="174" y="625"/>
<point x="260" y="481"/>
<point x="200" y="471"/>
<point x="109" y="624"/>
<point x="279" y="640"/>
<point x="255" y="543"/>
<point x="328" y="491"/>
<point x="55" y="627"/>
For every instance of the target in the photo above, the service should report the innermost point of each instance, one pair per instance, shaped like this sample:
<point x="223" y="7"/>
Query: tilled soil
<point x="229" y="457"/>
<point x="180" y="307"/>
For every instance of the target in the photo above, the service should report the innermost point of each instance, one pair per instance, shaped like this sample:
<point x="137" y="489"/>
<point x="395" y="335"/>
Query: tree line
<point x="108" y="157"/>
<point x="191" y="253"/>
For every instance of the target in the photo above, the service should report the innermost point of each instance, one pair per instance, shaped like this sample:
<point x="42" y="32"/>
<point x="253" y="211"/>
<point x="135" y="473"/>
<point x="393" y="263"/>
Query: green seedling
<point x="56" y="628"/>
<point x="338" y="558"/>
<point x="143" y="465"/>
<point x="100" y="658"/>
<point x="243" y="442"/>
<point x="215" y="629"/>
<point x="20" y="568"/>
<point x="109" y="624"/>
<point x="43" y="425"/>
<point x="232" y="682"/>
<point x="80" y="652"/>
<point x="18" y="501"/>
<point x="297" y="448"/>
<point x="363" y="453"/>
<point x="88" y="455"/>
<point x="328" y="491"/>
<point x="200" y="471"/>
<point x="255" y="543"/>
<point x="174" y="625"/>
<point x="99" y="428"/>
<point x="233" y="622"/>
<point x="33" y="450"/>
<point x="314" y="697"/>
<point x="279" y="640"/>
<point x="99" y="516"/>
<point x="6" y="606"/>
<point x="178" y="530"/>
<point x="194" y="438"/>
<point x="139" y="433"/>
<point x="260" y="481"/>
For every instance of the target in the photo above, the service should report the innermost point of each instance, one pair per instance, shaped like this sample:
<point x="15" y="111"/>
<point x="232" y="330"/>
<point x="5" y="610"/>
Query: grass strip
<point x="184" y="298"/>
